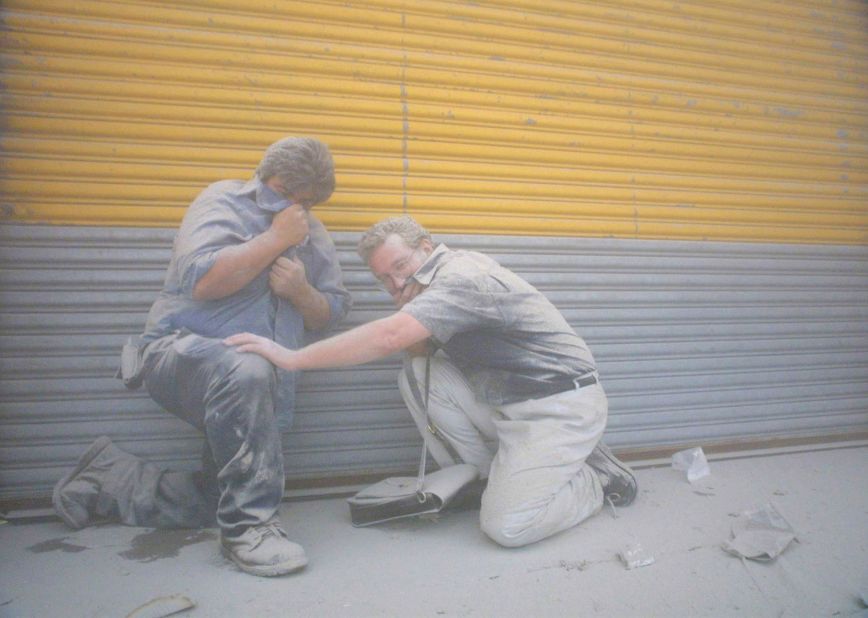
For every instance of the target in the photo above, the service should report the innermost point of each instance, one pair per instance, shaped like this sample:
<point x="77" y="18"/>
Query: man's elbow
<point x="318" y="324"/>
<point x="203" y="292"/>
<point x="211" y="289"/>
<point x="396" y="339"/>
<point x="418" y="349"/>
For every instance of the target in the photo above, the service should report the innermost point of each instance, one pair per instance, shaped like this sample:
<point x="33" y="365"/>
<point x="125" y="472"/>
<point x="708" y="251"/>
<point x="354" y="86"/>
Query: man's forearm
<point x="314" y="308"/>
<point x="362" y="344"/>
<point x="238" y="265"/>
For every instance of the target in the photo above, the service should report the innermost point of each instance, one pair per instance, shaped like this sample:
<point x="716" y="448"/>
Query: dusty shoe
<point x="618" y="481"/>
<point x="264" y="550"/>
<point x="75" y="495"/>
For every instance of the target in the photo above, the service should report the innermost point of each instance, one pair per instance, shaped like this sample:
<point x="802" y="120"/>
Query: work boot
<point x="264" y="550"/>
<point x="75" y="495"/>
<point x="618" y="481"/>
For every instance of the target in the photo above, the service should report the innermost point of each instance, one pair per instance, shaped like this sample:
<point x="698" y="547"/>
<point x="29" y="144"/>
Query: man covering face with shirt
<point x="249" y="256"/>
<point x="513" y="389"/>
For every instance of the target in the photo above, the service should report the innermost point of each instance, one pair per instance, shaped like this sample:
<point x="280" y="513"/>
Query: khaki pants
<point x="533" y="452"/>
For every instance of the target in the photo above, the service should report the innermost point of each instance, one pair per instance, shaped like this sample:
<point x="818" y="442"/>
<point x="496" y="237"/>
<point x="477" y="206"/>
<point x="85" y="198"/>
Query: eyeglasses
<point x="387" y="281"/>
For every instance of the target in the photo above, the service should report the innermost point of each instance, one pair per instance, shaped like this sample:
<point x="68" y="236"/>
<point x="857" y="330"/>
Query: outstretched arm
<point x="362" y="344"/>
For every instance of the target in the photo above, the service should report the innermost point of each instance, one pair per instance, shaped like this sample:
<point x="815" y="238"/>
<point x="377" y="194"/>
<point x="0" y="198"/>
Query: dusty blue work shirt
<point x="509" y="340"/>
<point x="228" y="213"/>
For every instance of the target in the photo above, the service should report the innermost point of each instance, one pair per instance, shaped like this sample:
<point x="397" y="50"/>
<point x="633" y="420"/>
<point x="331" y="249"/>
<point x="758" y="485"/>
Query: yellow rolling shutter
<point x="731" y="120"/>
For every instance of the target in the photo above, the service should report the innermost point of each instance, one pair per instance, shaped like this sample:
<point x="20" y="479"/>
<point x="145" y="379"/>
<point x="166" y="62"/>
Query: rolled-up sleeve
<point x="199" y="239"/>
<point x="454" y="304"/>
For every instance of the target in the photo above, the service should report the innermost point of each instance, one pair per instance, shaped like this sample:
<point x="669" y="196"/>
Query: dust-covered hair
<point x="404" y="226"/>
<point x="301" y="164"/>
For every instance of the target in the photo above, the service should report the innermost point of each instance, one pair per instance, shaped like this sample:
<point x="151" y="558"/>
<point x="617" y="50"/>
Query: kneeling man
<point x="513" y="389"/>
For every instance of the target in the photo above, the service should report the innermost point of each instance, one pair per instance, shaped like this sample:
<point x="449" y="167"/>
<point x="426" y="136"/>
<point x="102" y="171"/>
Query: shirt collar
<point x="266" y="197"/>
<point x="431" y="265"/>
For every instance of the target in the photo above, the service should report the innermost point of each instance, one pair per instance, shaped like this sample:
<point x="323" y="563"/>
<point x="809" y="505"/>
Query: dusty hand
<point x="268" y="349"/>
<point x="291" y="225"/>
<point x="410" y="291"/>
<point x="287" y="277"/>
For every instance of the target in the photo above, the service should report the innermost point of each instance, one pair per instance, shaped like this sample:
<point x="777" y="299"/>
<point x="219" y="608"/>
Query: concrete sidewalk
<point x="446" y="567"/>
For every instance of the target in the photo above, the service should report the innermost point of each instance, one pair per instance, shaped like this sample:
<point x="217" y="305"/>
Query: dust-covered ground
<point x="445" y="566"/>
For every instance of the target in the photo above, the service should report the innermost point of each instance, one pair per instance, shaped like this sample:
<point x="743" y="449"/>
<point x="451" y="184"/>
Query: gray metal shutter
<point x="696" y="343"/>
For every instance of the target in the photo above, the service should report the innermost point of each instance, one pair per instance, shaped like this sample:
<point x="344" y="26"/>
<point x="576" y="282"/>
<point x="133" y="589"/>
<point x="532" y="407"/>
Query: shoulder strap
<point x="423" y="459"/>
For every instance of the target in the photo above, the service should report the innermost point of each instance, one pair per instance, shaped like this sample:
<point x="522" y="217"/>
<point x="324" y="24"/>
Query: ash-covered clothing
<point x="229" y="397"/>
<point x="502" y="397"/>
<point x="228" y="213"/>
<point x="239" y="401"/>
<point x="507" y="339"/>
<point x="533" y="452"/>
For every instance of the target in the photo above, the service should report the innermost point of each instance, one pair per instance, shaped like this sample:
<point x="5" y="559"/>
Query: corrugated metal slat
<point x="741" y="121"/>
<point x="695" y="341"/>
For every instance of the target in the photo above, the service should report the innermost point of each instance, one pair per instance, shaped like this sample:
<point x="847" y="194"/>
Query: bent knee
<point x="504" y="537"/>
<point x="250" y="371"/>
<point x="507" y="529"/>
<point x="253" y="368"/>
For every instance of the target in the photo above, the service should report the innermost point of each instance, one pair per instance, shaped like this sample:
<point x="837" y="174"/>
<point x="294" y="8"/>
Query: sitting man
<point x="248" y="256"/>
<point x="509" y="371"/>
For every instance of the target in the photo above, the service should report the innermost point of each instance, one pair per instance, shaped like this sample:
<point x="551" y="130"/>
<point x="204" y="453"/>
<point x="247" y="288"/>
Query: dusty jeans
<point x="230" y="397"/>
<point x="533" y="451"/>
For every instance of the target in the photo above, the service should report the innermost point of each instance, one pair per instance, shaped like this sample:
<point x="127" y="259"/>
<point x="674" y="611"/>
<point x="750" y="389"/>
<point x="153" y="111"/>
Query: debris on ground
<point x="28" y="516"/>
<point x="864" y="602"/>
<point x="704" y="491"/>
<point x="162" y="606"/>
<point x="760" y="534"/>
<point x="634" y="556"/>
<point x="693" y="462"/>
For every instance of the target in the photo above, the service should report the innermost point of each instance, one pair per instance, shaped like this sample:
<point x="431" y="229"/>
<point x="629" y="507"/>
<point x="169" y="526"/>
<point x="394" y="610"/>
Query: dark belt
<point x="569" y="384"/>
